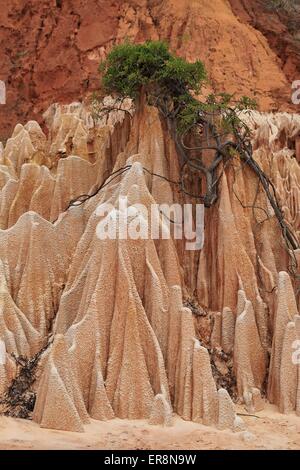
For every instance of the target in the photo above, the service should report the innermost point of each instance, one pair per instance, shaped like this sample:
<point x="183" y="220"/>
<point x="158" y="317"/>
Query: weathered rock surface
<point x="124" y="343"/>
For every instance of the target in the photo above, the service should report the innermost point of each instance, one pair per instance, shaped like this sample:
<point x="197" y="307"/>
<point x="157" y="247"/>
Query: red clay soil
<point x="50" y="49"/>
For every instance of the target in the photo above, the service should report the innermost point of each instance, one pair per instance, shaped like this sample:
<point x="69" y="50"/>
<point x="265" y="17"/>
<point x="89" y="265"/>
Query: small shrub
<point x="129" y="67"/>
<point x="170" y="82"/>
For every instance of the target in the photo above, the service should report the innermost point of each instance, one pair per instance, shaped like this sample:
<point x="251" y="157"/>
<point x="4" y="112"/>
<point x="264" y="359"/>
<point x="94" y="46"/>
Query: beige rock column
<point x="249" y="355"/>
<point x="285" y="312"/>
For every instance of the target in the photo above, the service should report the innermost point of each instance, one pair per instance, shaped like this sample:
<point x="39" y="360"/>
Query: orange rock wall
<point x="50" y="50"/>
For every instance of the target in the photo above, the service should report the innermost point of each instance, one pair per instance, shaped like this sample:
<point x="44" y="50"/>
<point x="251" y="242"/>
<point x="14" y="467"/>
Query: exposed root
<point x="221" y="363"/>
<point x="19" y="398"/>
<point x="222" y="370"/>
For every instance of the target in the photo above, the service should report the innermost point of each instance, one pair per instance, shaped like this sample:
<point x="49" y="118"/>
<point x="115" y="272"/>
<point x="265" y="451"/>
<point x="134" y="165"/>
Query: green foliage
<point x="177" y="74"/>
<point x="189" y="113"/>
<point x="170" y="80"/>
<point x="129" y="67"/>
<point x="222" y="104"/>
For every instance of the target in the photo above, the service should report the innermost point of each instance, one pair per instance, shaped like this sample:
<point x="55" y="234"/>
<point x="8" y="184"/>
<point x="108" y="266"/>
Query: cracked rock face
<point x="123" y="342"/>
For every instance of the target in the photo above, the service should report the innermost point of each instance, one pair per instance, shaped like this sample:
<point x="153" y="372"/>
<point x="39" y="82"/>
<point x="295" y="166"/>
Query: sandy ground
<point x="271" y="430"/>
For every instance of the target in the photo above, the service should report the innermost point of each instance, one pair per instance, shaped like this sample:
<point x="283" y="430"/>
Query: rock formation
<point x="122" y="337"/>
<point x="246" y="48"/>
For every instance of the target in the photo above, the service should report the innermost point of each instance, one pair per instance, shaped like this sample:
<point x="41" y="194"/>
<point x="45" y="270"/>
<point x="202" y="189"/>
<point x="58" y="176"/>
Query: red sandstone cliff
<point x="50" y="50"/>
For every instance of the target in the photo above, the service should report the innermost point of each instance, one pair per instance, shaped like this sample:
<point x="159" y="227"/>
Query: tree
<point x="215" y="124"/>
